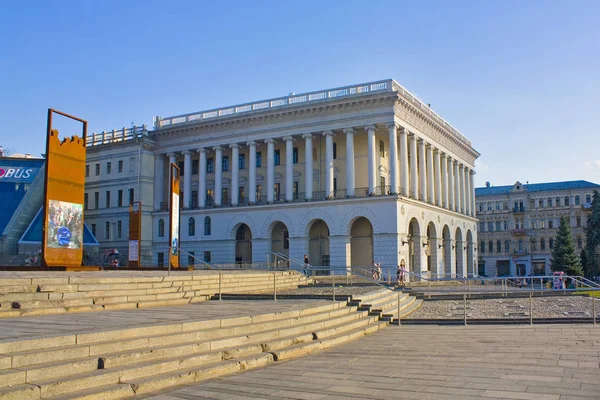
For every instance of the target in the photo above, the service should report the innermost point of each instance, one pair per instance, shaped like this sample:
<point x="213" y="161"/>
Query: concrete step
<point x="393" y="311"/>
<point x="413" y="306"/>
<point x="346" y="326"/>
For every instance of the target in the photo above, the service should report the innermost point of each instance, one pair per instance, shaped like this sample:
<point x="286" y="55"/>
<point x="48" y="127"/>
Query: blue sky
<point x="520" y="79"/>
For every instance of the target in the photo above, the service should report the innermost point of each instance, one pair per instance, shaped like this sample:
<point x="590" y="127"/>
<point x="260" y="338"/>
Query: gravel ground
<point x="550" y="307"/>
<point x="327" y="290"/>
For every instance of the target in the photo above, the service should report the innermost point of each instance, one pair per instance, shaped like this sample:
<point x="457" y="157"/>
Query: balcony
<point x="518" y="210"/>
<point x="519" y="232"/>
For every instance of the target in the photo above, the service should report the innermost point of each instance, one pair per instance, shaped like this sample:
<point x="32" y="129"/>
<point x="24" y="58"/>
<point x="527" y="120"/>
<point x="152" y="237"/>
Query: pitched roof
<point x="537" y="187"/>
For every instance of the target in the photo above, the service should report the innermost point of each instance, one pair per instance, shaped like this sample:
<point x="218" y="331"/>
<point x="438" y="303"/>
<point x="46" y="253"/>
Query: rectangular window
<point x="120" y="198"/>
<point x="242" y="161"/>
<point x="277" y="157"/>
<point x="588" y="198"/>
<point x="195" y="167"/>
<point x="497" y="225"/>
<point x="87" y="171"/>
<point x="97" y="169"/>
<point x="296" y="186"/>
<point x="277" y="192"/>
<point x="131" y="196"/>
<point x="490" y="226"/>
<point x="120" y="166"/>
<point x="242" y="194"/>
<point x="334" y="151"/>
<point x="542" y="224"/>
<point x="578" y="222"/>
<point x="210" y="165"/>
<point x="258" y="192"/>
<point x="225" y="163"/>
<point x="194" y="198"/>
<point x="258" y="159"/>
<point x="505" y="225"/>
<point x="334" y="184"/>
<point x="497" y="206"/>
<point x="225" y="195"/>
<point x="550" y="224"/>
<point x="161" y="259"/>
<point x="96" y="200"/>
<point x="382" y="183"/>
<point x="541" y="203"/>
<point x="107" y="230"/>
<point x="119" y="228"/>
<point x="181" y="166"/>
<point x="551" y="242"/>
<point x="577" y="200"/>
<point x="207" y="256"/>
<point x="131" y="164"/>
<point x="108" y="168"/>
<point x="482" y="226"/>
<point x="191" y="258"/>
<point x="108" y="199"/>
<point x="210" y="193"/>
<point x="94" y="230"/>
<point x="85" y="201"/>
<point x="295" y="155"/>
<point x="381" y="149"/>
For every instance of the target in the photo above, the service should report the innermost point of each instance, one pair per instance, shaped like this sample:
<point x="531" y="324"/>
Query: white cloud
<point x="593" y="164"/>
<point x="481" y="166"/>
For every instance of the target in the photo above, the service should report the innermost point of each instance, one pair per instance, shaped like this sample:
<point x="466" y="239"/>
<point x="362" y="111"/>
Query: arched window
<point x="490" y="246"/>
<point x="566" y="200"/>
<point x="549" y="201"/>
<point x="506" y="246"/>
<point x="558" y="202"/>
<point x="191" y="226"/>
<point x="161" y="228"/>
<point x="206" y="225"/>
<point x="579" y="242"/>
<point x="482" y="247"/>
<point x="498" y="246"/>
<point x="577" y="200"/>
<point x="542" y="244"/>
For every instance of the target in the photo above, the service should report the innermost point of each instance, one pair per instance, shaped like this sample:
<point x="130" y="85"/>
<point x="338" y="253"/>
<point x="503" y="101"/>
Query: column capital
<point x="286" y="138"/>
<point x="270" y="141"/>
<point x="421" y="142"/>
<point x="186" y="152"/>
<point x="171" y="155"/>
<point x="328" y="133"/>
<point x="251" y="143"/>
<point x="393" y="125"/>
<point x="234" y="146"/>
<point x="349" y="131"/>
<point x="308" y="136"/>
<point x="412" y="136"/>
<point x="436" y="150"/>
<point x="217" y="148"/>
<point x="201" y="150"/>
<point x="404" y="130"/>
<point x="369" y="128"/>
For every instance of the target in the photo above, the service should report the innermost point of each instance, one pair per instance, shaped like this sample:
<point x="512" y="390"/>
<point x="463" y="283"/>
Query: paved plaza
<point x="542" y="362"/>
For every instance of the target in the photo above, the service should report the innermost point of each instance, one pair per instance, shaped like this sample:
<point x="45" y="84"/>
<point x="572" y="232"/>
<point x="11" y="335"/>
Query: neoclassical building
<point x="518" y="224"/>
<point x="347" y="176"/>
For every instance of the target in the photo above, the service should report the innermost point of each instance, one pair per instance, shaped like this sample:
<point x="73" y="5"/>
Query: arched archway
<point x="459" y="251"/>
<point x="414" y="249"/>
<point x="447" y="253"/>
<point x="243" y="244"/>
<point x="280" y="239"/>
<point x="470" y="254"/>
<point x="318" y="243"/>
<point x="432" y="250"/>
<point x="361" y="242"/>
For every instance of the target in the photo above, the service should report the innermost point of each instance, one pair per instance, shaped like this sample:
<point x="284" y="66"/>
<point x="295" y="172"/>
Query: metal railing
<point x="116" y="136"/>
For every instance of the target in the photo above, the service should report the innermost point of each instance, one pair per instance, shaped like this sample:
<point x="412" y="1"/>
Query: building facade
<point x="518" y="223"/>
<point x="347" y="176"/>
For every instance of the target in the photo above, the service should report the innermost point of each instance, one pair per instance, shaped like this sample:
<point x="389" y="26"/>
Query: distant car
<point x="63" y="236"/>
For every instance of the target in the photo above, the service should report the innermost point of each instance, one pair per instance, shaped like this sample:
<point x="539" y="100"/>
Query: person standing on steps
<point x="305" y="265"/>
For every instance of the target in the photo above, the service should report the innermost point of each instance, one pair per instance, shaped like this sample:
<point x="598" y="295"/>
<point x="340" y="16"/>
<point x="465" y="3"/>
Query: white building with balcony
<point x="518" y="224"/>
<point x="347" y="176"/>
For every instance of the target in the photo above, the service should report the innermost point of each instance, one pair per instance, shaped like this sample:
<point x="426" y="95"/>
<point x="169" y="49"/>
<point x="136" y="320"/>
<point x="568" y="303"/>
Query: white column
<point x="159" y="179"/>
<point x="430" y="182"/>
<point x="252" y="172"/>
<point x="218" y="174"/>
<point x="308" y="168"/>
<point x="472" y="192"/>
<point x="202" y="179"/>
<point x="289" y="168"/>
<point x="393" y="158"/>
<point x="172" y="160"/>
<point x="445" y="195"/>
<point x="270" y="169"/>
<point x="372" y="151"/>
<point x="461" y="186"/>
<point x="456" y="187"/>
<point x="414" y="185"/>
<point x="349" y="162"/>
<point x="404" y="162"/>
<point x="328" y="163"/>
<point x="235" y="173"/>
<point x="422" y="172"/>
<point x="438" y="177"/>
<point x="467" y="191"/>
<point x="187" y="178"/>
<point x="451" y="191"/>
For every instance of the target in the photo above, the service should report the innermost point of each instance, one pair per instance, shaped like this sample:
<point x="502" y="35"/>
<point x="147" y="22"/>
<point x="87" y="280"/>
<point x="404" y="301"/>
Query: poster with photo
<point x="65" y="225"/>
<point x="175" y="223"/>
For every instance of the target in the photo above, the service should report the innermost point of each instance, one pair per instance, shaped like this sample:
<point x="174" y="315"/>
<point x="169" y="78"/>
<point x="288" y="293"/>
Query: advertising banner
<point x="17" y="175"/>
<point x="135" y="233"/>
<point x="133" y="252"/>
<point x="62" y="238"/>
<point x="174" y="218"/>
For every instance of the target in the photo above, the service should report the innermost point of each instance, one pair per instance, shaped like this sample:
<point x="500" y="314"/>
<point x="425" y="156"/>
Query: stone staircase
<point x="23" y="295"/>
<point x="137" y="361"/>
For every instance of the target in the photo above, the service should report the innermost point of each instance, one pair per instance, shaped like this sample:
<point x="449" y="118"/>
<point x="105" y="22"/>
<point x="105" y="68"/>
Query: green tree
<point x="584" y="262"/>
<point x="564" y="257"/>
<point x="592" y="243"/>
